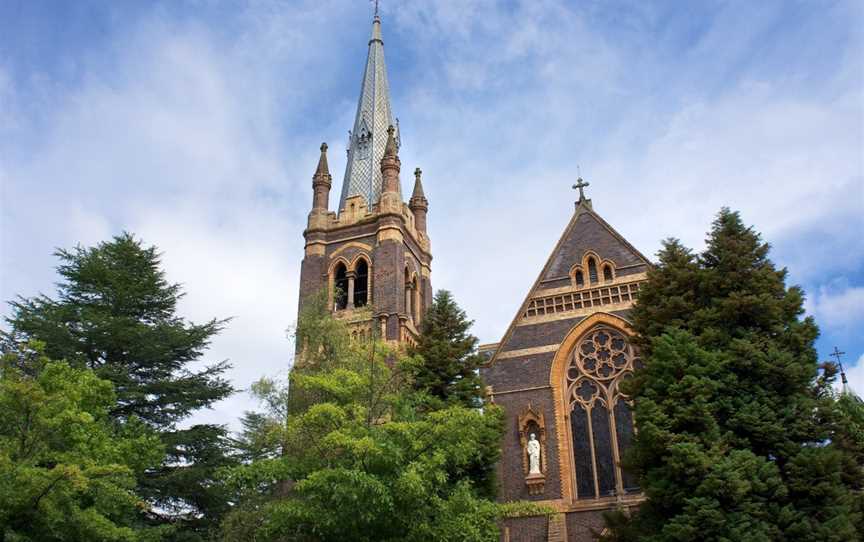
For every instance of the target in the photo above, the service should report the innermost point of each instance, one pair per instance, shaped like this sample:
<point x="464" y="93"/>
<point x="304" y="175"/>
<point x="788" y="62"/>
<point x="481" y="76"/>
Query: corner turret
<point x="418" y="203"/>
<point x="321" y="182"/>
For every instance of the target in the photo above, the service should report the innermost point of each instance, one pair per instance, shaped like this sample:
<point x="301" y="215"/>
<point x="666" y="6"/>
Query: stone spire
<point x="369" y="136"/>
<point x="418" y="203"/>
<point x="321" y="182"/>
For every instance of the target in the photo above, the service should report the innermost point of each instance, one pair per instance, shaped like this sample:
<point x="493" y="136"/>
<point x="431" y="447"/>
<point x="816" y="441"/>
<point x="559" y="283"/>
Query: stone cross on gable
<point x="580" y="185"/>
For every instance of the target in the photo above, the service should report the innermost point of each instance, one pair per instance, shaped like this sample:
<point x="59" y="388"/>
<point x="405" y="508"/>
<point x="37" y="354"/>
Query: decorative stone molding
<point x="316" y="249"/>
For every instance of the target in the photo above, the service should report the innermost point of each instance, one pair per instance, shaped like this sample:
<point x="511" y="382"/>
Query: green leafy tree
<point x="734" y="433"/>
<point x="361" y="462"/>
<point x="116" y="313"/>
<point x="449" y="370"/>
<point x="67" y="472"/>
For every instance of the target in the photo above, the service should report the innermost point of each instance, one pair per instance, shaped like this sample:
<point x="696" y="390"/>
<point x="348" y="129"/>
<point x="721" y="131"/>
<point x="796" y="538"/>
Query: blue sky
<point x="196" y="126"/>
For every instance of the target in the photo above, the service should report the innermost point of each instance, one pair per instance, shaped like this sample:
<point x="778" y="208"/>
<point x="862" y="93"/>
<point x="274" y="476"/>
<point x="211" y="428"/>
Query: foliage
<point x="733" y="440"/>
<point x="67" y="473"/>
<point x="848" y="435"/>
<point x="116" y="313"/>
<point x="361" y="462"/>
<point x="449" y="371"/>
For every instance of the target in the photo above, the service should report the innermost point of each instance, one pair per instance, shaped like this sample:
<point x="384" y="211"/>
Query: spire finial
<point x="376" y="25"/>
<point x="323" y="169"/>
<point x="391" y="149"/>
<point x="418" y="197"/>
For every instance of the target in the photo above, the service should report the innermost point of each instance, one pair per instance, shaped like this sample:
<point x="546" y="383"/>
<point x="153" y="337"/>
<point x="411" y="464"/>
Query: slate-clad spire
<point x="369" y="136"/>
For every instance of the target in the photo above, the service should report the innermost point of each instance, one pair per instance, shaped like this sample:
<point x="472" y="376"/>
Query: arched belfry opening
<point x="415" y="300"/>
<point x="340" y="287"/>
<point x="361" y="283"/>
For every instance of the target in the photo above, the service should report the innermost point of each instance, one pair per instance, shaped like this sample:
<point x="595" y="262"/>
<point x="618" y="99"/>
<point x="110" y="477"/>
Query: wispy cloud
<point x="197" y="128"/>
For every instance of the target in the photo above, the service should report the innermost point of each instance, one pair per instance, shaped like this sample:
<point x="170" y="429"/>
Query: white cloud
<point x="202" y="140"/>
<point x="838" y="306"/>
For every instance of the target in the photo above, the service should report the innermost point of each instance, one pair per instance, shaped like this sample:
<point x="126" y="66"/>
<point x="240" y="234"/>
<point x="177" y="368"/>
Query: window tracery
<point x="601" y="423"/>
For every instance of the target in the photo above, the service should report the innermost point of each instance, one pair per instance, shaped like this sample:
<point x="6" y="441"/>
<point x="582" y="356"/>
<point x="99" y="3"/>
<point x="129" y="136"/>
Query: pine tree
<point x="449" y="371"/>
<point x="116" y="314"/>
<point x="848" y="435"/>
<point x="734" y="440"/>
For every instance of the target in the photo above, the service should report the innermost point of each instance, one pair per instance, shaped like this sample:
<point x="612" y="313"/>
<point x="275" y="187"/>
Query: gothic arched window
<point x="607" y="273"/>
<point x="601" y="424"/>
<point x="580" y="279"/>
<point x="340" y="286"/>
<point x="592" y="270"/>
<point x="361" y="284"/>
<point x="409" y="296"/>
<point x="415" y="300"/>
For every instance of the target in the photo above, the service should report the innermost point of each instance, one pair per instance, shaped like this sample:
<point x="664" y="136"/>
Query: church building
<point x="556" y="371"/>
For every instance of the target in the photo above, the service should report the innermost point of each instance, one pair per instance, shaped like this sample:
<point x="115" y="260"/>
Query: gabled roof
<point x="586" y="231"/>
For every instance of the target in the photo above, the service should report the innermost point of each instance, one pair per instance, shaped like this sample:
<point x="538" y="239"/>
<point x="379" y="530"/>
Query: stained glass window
<point x="624" y="429"/>
<point x="582" y="450"/>
<point x="603" y="357"/>
<point x="607" y="273"/>
<point x="592" y="270"/>
<point x="603" y="450"/>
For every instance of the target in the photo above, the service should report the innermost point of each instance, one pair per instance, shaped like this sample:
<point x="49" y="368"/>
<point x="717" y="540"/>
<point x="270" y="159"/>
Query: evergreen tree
<point x="449" y="371"/>
<point x="67" y="473"/>
<point x="116" y="314"/>
<point x="734" y="433"/>
<point x="363" y="462"/>
<point x="848" y="435"/>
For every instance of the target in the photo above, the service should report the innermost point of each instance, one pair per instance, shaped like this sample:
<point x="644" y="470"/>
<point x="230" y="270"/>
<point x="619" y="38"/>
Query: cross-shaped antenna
<point x="837" y="353"/>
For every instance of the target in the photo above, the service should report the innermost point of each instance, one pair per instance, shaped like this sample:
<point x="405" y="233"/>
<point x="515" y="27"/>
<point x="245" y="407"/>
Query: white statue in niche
<point x="533" y="448"/>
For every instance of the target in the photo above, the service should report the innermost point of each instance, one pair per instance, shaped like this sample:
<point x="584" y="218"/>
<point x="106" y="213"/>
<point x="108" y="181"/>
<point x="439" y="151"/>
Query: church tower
<point x="372" y="254"/>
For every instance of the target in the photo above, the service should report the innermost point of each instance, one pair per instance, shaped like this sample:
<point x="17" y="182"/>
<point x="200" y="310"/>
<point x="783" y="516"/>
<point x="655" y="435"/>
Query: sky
<point x="195" y="125"/>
